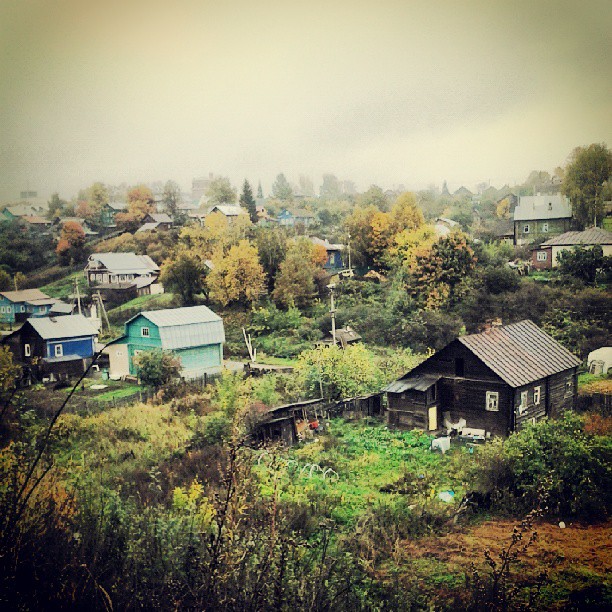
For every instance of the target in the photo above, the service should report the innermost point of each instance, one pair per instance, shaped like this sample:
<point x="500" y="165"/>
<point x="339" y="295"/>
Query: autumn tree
<point x="295" y="284"/>
<point x="405" y="213"/>
<point x="184" y="275"/>
<point x="220" y="191"/>
<point x="140" y="203"/>
<point x="272" y="247"/>
<point x="19" y="280"/>
<point x="502" y="210"/>
<point x="587" y="184"/>
<point x="359" y="226"/>
<point x="340" y="373"/>
<point x="436" y="275"/>
<point x="247" y="201"/>
<point x="70" y="247"/>
<point x="6" y="284"/>
<point x="171" y="198"/>
<point x="374" y="196"/>
<point x="236" y="277"/>
<point x="281" y="189"/>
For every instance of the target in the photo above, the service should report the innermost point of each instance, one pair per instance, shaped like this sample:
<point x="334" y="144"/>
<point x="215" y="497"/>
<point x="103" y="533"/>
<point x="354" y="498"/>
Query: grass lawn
<point x="365" y="459"/>
<point x="589" y="383"/>
<point x="64" y="287"/>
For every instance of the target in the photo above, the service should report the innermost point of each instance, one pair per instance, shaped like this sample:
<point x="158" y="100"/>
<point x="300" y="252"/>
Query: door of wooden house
<point x="432" y="418"/>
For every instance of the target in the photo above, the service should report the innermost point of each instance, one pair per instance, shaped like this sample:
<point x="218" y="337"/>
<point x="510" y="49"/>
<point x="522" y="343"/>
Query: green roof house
<point x="195" y="334"/>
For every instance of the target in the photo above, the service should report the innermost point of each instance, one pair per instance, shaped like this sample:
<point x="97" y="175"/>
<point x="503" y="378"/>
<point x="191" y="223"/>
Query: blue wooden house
<point x="53" y="347"/>
<point x="194" y="334"/>
<point x="17" y="306"/>
<point x="292" y="218"/>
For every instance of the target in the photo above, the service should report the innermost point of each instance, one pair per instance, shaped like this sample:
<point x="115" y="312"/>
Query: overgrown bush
<point x="553" y="465"/>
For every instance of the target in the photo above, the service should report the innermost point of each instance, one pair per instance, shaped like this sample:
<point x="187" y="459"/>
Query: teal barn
<point x="195" y="334"/>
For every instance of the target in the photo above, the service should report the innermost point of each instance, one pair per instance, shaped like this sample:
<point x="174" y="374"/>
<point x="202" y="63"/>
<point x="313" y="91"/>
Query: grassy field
<point x="370" y="464"/>
<point x="64" y="287"/>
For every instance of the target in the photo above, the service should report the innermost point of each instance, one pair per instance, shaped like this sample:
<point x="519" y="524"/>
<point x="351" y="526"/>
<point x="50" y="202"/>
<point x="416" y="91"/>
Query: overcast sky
<point x="383" y="92"/>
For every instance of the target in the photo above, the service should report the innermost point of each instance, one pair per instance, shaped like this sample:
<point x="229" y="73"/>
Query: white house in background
<point x="109" y="271"/>
<point x="545" y="256"/>
<point x="600" y="360"/>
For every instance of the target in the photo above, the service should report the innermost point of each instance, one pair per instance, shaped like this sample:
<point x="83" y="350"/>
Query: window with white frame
<point x="569" y="387"/>
<point x="27" y="350"/>
<point x="59" y="350"/>
<point x="526" y="228"/>
<point x="144" y="332"/>
<point x="523" y="405"/>
<point x="22" y="308"/>
<point x="492" y="401"/>
<point x="541" y="256"/>
<point x="536" y="395"/>
<point x="545" y="227"/>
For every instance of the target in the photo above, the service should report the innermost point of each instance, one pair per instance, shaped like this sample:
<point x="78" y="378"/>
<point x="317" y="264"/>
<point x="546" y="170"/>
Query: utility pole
<point x="78" y="295"/>
<point x="349" y="251"/>
<point x="332" y="312"/>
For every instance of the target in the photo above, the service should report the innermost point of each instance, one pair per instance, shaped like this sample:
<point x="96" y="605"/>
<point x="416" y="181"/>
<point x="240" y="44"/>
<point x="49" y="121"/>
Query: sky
<point x="380" y="92"/>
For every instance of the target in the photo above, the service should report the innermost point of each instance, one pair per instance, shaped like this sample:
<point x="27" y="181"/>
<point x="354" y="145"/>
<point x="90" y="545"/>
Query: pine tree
<point x="259" y="191"/>
<point x="247" y="201"/>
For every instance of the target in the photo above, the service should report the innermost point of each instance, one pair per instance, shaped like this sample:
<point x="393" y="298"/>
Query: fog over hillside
<point x="393" y="92"/>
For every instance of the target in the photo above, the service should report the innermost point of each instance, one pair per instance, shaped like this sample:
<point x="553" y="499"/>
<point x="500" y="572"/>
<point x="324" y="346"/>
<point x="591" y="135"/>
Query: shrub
<point x="555" y="465"/>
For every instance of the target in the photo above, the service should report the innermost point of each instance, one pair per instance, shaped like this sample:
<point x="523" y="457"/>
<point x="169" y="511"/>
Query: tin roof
<point x="186" y="327"/>
<point x="535" y="207"/>
<point x="24" y="295"/>
<point x="68" y="326"/>
<point x="161" y="217"/>
<point x="123" y="263"/>
<point x="593" y="235"/>
<point x="148" y="227"/>
<point x="228" y="210"/>
<point x="520" y="353"/>
<point x="417" y="382"/>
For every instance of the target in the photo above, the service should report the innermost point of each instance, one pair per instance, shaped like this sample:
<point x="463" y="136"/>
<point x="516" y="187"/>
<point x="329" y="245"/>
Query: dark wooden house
<point x="487" y="384"/>
<point x="50" y="348"/>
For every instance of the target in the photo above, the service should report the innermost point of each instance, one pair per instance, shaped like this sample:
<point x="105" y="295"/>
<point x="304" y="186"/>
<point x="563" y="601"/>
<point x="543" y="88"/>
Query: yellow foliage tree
<point x="237" y="276"/>
<point x="503" y="209"/>
<point x="405" y="213"/>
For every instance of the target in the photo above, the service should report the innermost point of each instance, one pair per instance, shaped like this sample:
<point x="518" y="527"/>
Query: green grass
<point x="282" y="361"/>
<point x="64" y="287"/>
<point x="108" y="396"/>
<point x="367" y="458"/>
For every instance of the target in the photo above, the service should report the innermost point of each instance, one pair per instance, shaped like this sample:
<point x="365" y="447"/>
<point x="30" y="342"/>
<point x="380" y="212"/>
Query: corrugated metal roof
<point x="593" y="235"/>
<point x="187" y="327"/>
<point x="520" y="353"/>
<point x="229" y="211"/>
<point x="124" y="263"/>
<point x="418" y="383"/>
<point x="68" y="326"/>
<point x="147" y="227"/>
<point x="535" y="207"/>
<point x="161" y="217"/>
<point x="25" y="295"/>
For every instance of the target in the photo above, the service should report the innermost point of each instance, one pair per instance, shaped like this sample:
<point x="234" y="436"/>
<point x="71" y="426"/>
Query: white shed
<point x="600" y="360"/>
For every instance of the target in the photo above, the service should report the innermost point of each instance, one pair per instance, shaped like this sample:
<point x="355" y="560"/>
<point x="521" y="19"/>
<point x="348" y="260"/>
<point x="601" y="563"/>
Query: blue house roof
<point x="181" y="328"/>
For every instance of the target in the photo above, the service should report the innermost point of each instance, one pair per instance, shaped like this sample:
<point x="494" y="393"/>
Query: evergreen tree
<point x="259" y="191"/>
<point x="247" y="201"/>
